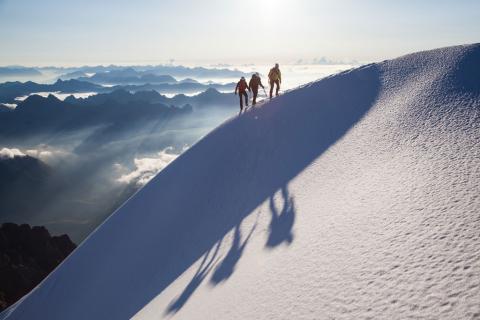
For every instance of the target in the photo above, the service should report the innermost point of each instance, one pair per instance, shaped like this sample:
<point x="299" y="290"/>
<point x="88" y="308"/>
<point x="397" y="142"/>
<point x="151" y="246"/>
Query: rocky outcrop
<point x="27" y="255"/>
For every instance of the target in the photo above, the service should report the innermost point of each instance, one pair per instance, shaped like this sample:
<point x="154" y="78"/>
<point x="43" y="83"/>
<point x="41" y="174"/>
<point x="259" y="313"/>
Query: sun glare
<point x="271" y="11"/>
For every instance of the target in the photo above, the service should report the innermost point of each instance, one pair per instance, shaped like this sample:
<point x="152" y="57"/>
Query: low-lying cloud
<point x="325" y="61"/>
<point x="147" y="168"/>
<point x="48" y="154"/>
<point x="10" y="153"/>
<point x="44" y="153"/>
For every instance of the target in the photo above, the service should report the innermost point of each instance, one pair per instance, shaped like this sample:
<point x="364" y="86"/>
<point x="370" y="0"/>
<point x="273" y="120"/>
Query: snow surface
<point x="353" y="197"/>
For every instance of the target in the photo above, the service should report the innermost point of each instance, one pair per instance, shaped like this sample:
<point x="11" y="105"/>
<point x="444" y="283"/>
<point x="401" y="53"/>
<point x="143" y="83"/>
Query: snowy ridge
<point x="354" y="197"/>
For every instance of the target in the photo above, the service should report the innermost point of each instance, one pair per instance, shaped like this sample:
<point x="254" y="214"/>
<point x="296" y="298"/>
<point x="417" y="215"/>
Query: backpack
<point x="242" y="85"/>
<point x="273" y="75"/>
<point x="254" y="81"/>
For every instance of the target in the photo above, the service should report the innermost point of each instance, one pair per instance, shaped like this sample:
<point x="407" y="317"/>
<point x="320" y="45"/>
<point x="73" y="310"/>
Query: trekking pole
<point x="266" y="96"/>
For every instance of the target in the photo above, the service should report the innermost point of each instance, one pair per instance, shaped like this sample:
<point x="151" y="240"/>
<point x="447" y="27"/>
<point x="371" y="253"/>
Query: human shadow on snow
<point x="223" y="270"/>
<point x="202" y="272"/>
<point x="281" y="225"/>
<point x="226" y="268"/>
<point x="280" y="230"/>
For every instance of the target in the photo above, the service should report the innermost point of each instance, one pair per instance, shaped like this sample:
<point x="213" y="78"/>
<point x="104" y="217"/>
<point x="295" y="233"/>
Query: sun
<point x="271" y="11"/>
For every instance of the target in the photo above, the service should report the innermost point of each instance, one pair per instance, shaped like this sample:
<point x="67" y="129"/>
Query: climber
<point x="242" y="88"/>
<point x="253" y="84"/>
<point x="275" y="78"/>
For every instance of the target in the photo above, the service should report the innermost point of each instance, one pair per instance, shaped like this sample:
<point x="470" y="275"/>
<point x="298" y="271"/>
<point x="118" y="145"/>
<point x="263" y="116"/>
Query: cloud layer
<point x="7" y="153"/>
<point x="147" y="168"/>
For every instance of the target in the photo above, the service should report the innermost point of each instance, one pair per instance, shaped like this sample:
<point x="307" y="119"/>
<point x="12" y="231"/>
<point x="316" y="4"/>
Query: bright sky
<point x="67" y="32"/>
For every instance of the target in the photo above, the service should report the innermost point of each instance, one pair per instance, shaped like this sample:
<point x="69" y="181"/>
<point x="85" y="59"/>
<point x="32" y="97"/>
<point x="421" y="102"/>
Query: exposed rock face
<point x="27" y="255"/>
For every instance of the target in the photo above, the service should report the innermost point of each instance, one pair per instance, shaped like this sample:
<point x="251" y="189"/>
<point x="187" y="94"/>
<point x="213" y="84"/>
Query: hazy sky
<point x="64" y="32"/>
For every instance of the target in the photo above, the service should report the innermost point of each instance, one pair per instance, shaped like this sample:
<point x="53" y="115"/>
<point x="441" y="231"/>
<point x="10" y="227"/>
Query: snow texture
<point x="353" y="197"/>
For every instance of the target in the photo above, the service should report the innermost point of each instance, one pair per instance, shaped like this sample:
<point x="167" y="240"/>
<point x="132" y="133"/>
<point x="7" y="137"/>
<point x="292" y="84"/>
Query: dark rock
<point x="27" y="256"/>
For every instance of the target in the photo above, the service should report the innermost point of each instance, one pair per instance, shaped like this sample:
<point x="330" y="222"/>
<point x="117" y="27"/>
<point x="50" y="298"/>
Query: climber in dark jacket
<point x="254" y="83"/>
<point x="242" y="88"/>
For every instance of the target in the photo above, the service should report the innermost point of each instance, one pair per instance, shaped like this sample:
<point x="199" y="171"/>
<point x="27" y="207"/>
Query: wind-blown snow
<point x="354" y="197"/>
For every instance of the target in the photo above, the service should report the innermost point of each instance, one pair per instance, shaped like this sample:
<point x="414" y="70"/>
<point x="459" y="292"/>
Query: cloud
<point x="9" y="105"/>
<point x="146" y="168"/>
<point x="44" y="153"/>
<point x="326" y="61"/>
<point x="47" y="154"/>
<point x="221" y="65"/>
<point x="39" y="153"/>
<point x="7" y="153"/>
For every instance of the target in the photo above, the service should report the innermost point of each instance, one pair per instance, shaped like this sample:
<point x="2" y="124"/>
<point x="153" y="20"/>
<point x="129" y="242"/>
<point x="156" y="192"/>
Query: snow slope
<point x="353" y="197"/>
